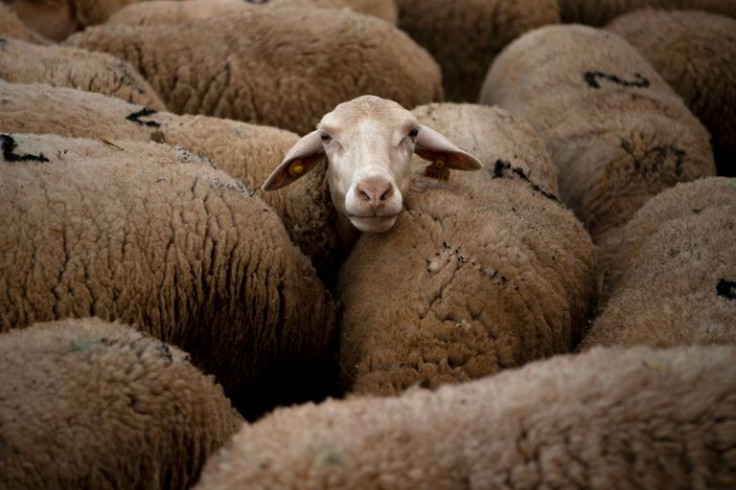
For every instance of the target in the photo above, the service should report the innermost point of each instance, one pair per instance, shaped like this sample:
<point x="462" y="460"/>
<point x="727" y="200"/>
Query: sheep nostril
<point x="387" y="193"/>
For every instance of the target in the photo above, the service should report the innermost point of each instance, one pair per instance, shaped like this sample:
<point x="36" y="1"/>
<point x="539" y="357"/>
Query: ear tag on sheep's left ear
<point x="438" y="170"/>
<point x="296" y="169"/>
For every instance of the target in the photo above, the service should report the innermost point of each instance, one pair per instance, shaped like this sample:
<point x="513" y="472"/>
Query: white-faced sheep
<point x="465" y="35"/>
<point x="11" y="26"/>
<point x="695" y="52"/>
<point x="617" y="132"/>
<point x="278" y="66"/>
<point x="91" y="404"/>
<point x="602" y="11"/>
<point x="452" y="291"/>
<point x="245" y="151"/>
<point x="147" y="235"/>
<point x="66" y="66"/>
<point x="672" y="280"/>
<point x="178" y="12"/>
<point x="608" y="418"/>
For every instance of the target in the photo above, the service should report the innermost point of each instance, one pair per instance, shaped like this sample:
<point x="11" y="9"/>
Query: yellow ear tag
<point x="438" y="170"/>
<point x="296" y="169"/>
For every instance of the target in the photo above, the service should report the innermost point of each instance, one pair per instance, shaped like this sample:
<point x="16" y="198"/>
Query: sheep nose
<point x="375" y="192"/>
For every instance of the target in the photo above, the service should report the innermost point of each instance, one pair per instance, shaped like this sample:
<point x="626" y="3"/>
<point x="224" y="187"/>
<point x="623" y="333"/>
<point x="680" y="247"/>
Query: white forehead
<point x="368" y="115"/>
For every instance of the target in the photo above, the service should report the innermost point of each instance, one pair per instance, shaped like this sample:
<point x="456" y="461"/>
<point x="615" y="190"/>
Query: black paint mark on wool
<point x="654" y="159"/>
<point x="726" y="288"/>
<point x="9" y="145"/>
<point x="502" y="166"/>
<point x="136" y="118"/>
<point x="591" y="78"/>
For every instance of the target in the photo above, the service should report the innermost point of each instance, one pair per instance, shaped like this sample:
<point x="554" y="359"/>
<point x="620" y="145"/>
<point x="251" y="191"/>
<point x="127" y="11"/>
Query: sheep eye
<point x="326" y="138"/>
<point x="413" y="133"/>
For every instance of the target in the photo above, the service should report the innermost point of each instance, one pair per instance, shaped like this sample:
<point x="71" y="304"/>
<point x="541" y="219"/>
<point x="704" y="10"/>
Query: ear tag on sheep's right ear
<point x="296" y="169"/>
<point x="438" y="170"/>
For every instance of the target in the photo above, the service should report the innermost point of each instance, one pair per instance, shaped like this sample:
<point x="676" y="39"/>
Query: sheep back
<point x="91" y="404"/>
<point x="598" y="13"/>
<point x="672" y="280"/>
<point x="465" y="36"/>
<point x="695" y="52"/>
<point x="66" y="66"/>
<point x="485" y="272"/>
<point x="319" y="57"/>
<point x="608" y="418"/>
<point x="617" y="132"/>
<point x="158" y="238"/>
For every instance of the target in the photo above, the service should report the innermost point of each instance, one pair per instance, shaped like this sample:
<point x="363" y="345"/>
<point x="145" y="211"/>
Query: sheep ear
<point x="299" y="160"/>
<point x="433" y="146"/>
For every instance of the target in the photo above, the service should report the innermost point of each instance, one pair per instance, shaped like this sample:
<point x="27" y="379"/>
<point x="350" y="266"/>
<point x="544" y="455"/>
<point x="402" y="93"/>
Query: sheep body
<point x="319" y="57"/>
<point x="598" y="13"/>
<point x="465" y="36"/>
<point x="608" y="418"/>
<point x="672" y="280"/>
<point x="87" y="403"/>
<point x="66" y="66"/>
<point x="695" y="52"/>
<point x="12" y="26"/>
<point x="484" y="272"/>
<point x="245" y="151"/>
<point x="615" y="129"/>
<point x="157" y="238"/>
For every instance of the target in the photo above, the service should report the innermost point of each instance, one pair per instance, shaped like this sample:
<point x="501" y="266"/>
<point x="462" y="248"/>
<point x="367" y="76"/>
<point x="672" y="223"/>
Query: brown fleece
<point x="695" y="52"/>
<point x="601" y="11"/>
<point x="672" y="279"/>
<point x="66" y="66"/>
<point x="12" y="26"/>
<point x="91" y="404"/>
<point x="157" y="238"/>
<point x="484" y="272"/>
<point x="617" y="132"/>
<point x="278" y="66"/>
<point x="245" y="151"/>
<point x="465" y="35"/>
<point x="608" y="418"/>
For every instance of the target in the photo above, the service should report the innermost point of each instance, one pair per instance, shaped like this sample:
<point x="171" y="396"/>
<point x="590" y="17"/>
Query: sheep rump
<point x="608" y="418"/>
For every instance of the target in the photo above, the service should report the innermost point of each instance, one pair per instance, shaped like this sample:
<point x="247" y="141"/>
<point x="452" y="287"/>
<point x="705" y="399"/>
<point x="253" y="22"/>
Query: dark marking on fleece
<point x="9" y="146"/>
<point x="136" y="117"/>
<point x="654" y="159"/>
<point x="592" y="78"/>
<point x="257" y="2"/>
<point x="726" y="289"/>
<point x="502" y="169"/>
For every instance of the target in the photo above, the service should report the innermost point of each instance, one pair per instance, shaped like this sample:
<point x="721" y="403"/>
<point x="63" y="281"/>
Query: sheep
<point x="65" y="66"/>
<point x="599" y="13"/>
<point x="673" y="279"/>
<point x="153" y="236"/>
<point x="277" y="66"/>
<point x="608" y="418"/>
<point x="465" y="36"/>
<point x="11" y="26"/>
<point x="245" y="151"/>
<point x="57" y="19"/>
<point x="695" y="52"/>
<point x="617" y="132"/>
<point x="454" y="289"/>
<point x="177" y="12"/>
<point x="86" y="403"/>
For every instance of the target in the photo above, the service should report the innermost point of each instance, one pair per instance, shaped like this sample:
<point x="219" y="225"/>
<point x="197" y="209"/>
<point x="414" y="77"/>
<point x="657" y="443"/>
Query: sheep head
<point x="368" y="143"/>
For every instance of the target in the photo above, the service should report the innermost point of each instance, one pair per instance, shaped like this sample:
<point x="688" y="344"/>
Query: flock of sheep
<point x="367" y="244"/>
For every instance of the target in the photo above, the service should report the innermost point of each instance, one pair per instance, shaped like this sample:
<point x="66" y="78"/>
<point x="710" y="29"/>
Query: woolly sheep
<point x="609" y="418"/>
<point x="178" y="12"/>
<point x="155" y="237"/>
<point x="695" y="52"/>
<point x="11" y="26"/>
<point x="673" y="278"/>
<point x="277" y="66"/>
<point x="465" y="36"/>
<point x="615" y="129"/>
<point x="91" y="404"/>
<point x="245" y="151"/>
<point x="482" y="272"/>
<point x="57" y="19"/>
<point x="598" y="13"/>
<point x="65" y="66"/>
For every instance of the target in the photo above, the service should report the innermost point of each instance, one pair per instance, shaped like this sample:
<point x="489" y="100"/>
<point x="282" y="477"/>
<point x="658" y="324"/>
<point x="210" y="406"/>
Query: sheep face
<point x="368" y="143"/>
